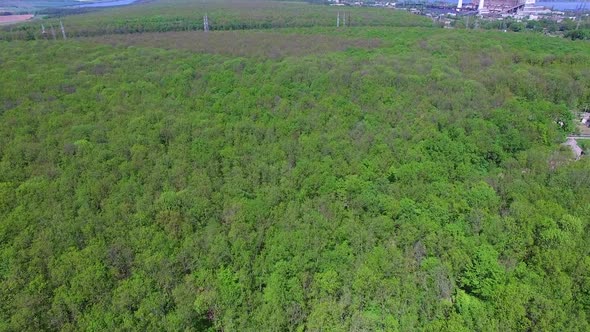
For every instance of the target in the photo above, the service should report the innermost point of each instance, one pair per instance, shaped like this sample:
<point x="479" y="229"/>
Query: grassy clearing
<point x="240" y="43"/>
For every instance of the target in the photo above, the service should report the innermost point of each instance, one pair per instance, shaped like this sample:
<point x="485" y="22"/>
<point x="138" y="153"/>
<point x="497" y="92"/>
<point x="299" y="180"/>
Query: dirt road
<point x="11" y="19"/>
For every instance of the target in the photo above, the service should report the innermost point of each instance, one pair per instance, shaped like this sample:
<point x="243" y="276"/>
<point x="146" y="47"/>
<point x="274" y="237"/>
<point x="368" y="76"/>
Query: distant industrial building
<point x="516" y="8"/>
<point x="520" y="9"/>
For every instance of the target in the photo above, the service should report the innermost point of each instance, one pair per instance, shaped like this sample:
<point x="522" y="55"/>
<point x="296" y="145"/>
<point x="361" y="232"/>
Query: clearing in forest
<point x="240" y="43"/>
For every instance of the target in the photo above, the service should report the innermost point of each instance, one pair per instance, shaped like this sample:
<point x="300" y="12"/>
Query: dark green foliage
<point x="416" y="185"/>
<point x="578" y="34"/>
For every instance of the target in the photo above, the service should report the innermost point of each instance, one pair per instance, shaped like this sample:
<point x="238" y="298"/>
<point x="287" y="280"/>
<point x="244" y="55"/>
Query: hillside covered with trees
<point x="387" y="178"/>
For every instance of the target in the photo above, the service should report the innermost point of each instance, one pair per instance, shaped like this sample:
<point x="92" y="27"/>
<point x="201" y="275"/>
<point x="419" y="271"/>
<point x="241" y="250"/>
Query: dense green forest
<point x="384" y="179"/>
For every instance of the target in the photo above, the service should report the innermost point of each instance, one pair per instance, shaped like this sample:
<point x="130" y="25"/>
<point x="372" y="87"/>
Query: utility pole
<point x="206" y="23"/>
<point x="63" y="31"/>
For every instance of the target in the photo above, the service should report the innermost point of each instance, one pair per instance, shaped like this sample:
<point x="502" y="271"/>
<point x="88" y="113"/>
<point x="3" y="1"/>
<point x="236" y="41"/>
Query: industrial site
<point x="490" y="9"/>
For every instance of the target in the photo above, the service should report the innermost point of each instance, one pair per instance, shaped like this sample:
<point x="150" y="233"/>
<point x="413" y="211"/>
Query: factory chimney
<point x="459" y="5"/>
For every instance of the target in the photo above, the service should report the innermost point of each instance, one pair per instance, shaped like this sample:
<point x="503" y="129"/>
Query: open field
<point x="11" y="19"/>
<point x="240" y="43"/>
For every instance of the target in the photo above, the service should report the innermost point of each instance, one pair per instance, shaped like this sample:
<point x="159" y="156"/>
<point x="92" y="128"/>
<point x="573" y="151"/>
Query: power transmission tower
<point x="53" y="32"/>
<point x="206" y="23"/>
<point x="344" y="20"/>
<point x="581" y="9"/>
<point x="43" y="32"/>
<point x="338" y="20"/>
<point x="63" y="31"/>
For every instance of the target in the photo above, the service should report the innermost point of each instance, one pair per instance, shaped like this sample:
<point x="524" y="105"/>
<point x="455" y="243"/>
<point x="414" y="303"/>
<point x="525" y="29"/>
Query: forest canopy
<point x="393" y="178"/>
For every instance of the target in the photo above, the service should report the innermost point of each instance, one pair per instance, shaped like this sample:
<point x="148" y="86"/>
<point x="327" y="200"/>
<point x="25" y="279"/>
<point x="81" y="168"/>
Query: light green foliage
<point x="483" y="274"/>
<point x="414" y="185"/>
